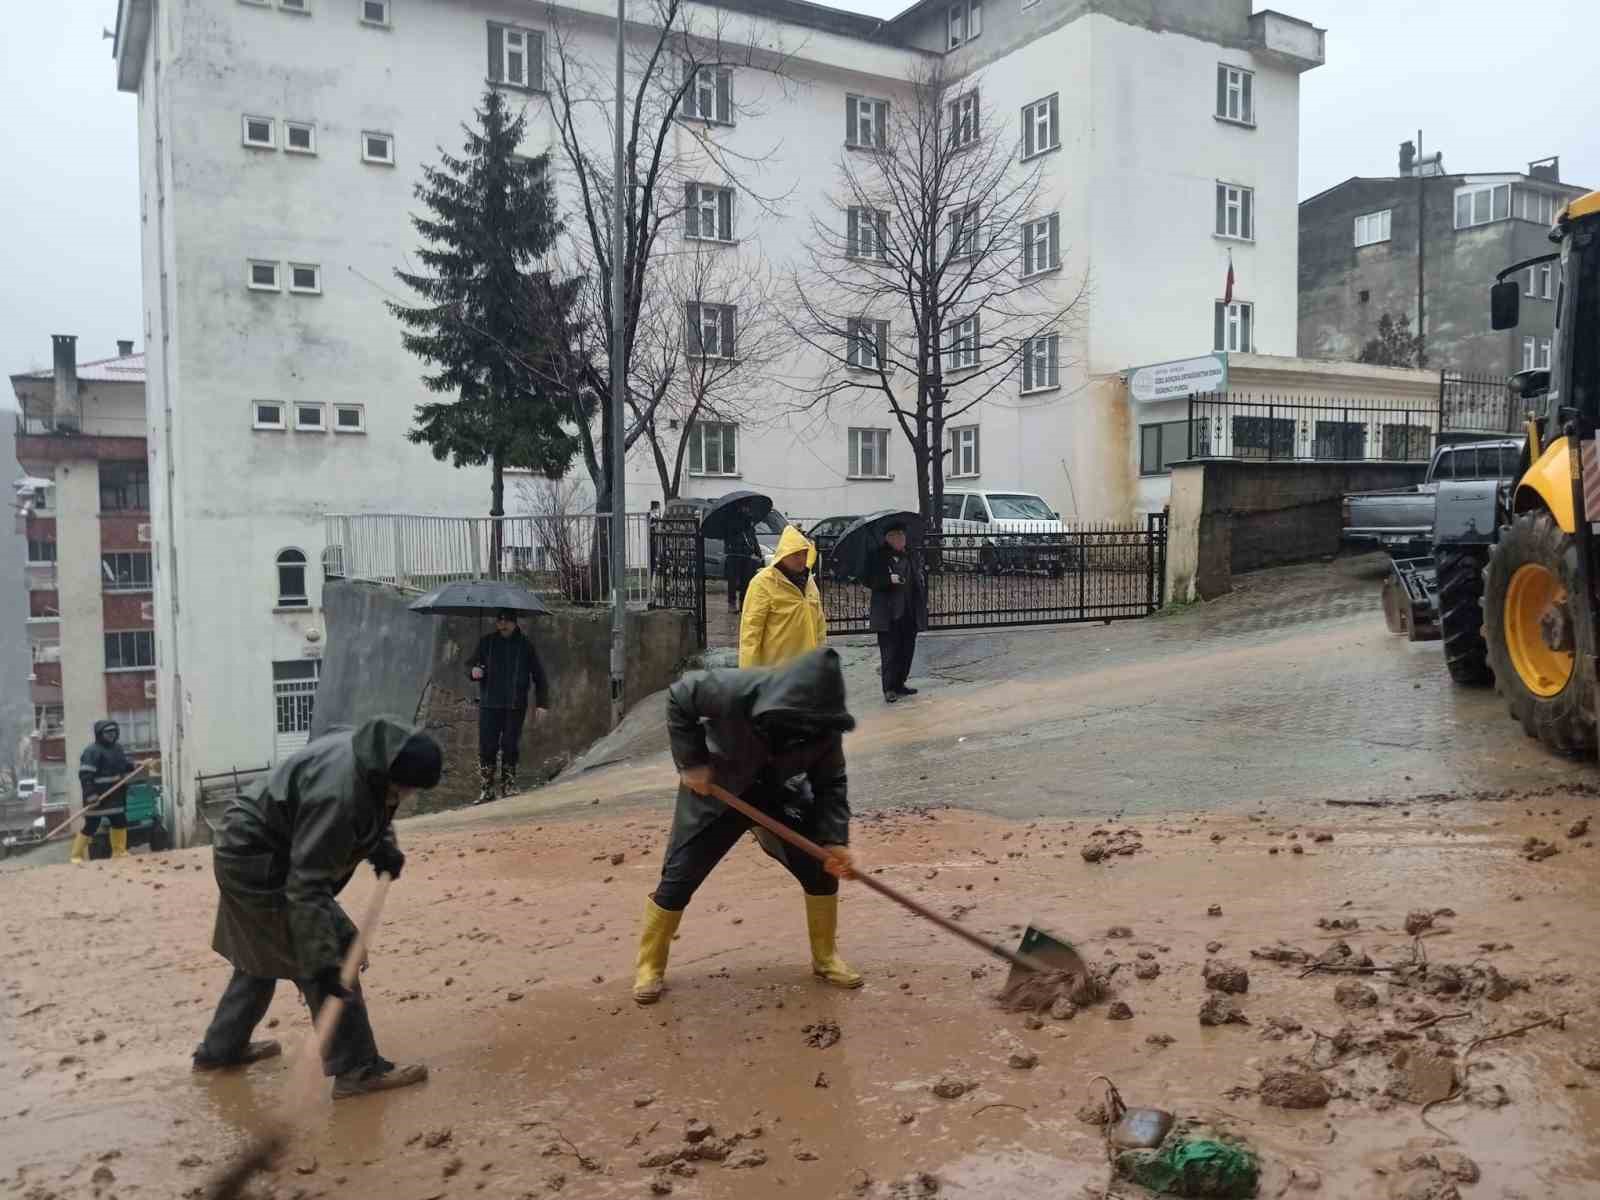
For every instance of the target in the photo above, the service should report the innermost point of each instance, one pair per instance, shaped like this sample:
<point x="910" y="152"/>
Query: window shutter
<point x="1247" y="228"/>
<point x="1027" y="131"/>
<point x="536" y="61"/>
<point x="853" y="234"/>
<point x="976" y="467"/>
<point x="692" y="328"/>
<point x="1055" y="359"/>
<point x="1055" y="239"/>
<point x="691" y="210"/>
<point x="1055" y="122"/>
<point x="883" y="345"/>
<point x="497" y="58"/>
<point x="1244" y="328"/>
<point x="880" y="123"/>
<point x="977" y="338"/>
<point x="1217" y="335"/>
<point x="725" y="215"/>
<point x="1222" y="209"/>
<point x="727" y="332"/>
<point x="1222" y="90"/>
<point x="1027" y="247"/>
<point x="850" y="126"/>
<point x="725" y="96"/>
<point x="974" y="20"/>
<point x="1247" y="109"/>
<point x="1027" y="365"/>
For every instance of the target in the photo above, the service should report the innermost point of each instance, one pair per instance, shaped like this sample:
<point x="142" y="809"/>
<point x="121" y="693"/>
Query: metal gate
<point x="294" y="696"/>
<point x="982" y="581"/>
<point x="678" y="568"/>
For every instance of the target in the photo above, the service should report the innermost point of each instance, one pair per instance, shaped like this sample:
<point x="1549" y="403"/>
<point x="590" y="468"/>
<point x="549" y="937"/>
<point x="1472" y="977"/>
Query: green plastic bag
<point x="1200" y="1168"/>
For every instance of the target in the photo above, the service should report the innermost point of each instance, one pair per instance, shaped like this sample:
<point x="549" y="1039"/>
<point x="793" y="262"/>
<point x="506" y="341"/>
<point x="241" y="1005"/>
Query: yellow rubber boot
<point x="80" y="848"/>
<point x="822" y="923"/>
<point x="119" y="843"/>
<point x="655" y="942"/>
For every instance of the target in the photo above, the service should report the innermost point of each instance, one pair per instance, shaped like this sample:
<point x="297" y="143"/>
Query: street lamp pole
<point x="619" y="510"/>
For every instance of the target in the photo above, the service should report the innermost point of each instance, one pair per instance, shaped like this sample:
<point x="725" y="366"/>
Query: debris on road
<point x="1537" y="849"/>
<point x="951" y="1087"/>
<point x="1223" y="976"/>
<point x="1220" y="1009"/>
<point x="1352" y="995"/>
<point x="1199" y="1167"/>
<point x="1295" y="1089"/>
<point x="822" y="1034"/>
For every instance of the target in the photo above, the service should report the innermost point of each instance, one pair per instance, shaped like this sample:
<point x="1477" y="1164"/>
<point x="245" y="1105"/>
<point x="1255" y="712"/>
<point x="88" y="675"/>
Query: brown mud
<point x="505" y="963"/>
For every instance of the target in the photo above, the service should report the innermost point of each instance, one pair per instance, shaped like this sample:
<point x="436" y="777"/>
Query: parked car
<point x="824" y="534"/>
<point x="1001" y="532"/>
<point x="1400" y="520"/>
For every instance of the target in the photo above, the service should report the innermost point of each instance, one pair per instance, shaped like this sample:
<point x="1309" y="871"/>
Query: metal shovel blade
<point x="1049" y="952"/>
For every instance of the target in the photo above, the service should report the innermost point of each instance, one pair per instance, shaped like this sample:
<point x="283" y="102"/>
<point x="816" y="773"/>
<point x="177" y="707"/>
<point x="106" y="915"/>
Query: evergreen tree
<point x="496" y="323"/>
<point x="1395" y="345"/>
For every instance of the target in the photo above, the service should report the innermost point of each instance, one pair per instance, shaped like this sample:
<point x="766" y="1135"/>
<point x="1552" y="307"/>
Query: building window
<point x="1041" y="365"/>
<point x="963" y="118"/>
<point x="867" y="343"/>
<point x="299" y="6"/>
<point x="1547" y="282"/>
<point x="299" y="137"/>
<point x="126" y="571"/>
<point x="124" y="487"/>
<point x="1235" y="215"/>
<point x="292" y="579"/>
<point x="963" y="451"/>
<point x="962" y="338"/>
<point x="1528" y="346"/>
<point x="711" y="330"/>
<point x="136" y="729"/>
<point x="311" y="417"/>
<point x="1231" y="326"/>
<point x="1161" y="445"/>
<point x="1041" y="126"/>
<point x="1235" y="94"/>
<point x="516" y="57"/>
<point x="261" y="133"/>
<point x="267" y="414"/>
<point x="966" y="22"/>
<point x="713" y="448"/>
<point x="1481" y="205"/>
<point x="868" y="233"/>
<point x="1408" y="443"/>
<point x="41" y="550"/>
<point x="50" y="720"/>
<point x="375" y="12"/>
<point x="294" y="699"/>
<point x="963" y="225"/>
<point x="1372" y="228"/>
<point x="866" y="122"/>
<point x="133" y="650"/>
<point x="349" y="418"/>
<point x="377" y="148"/>
<point x="709" y="212"/>
<point x="869" y="454"/>
<point x="1535" y="354"/>
<point x="305" y="278"/>
<point x="1540" y="207"/>
<point x="1041" y="244"/>
<point x="710" y="96"/>
<point x="1542" y="360"/>
<point x="263" y="275"/>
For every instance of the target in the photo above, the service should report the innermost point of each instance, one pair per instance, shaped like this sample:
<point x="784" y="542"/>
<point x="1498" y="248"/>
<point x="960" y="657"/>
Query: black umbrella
<point x="475" y="597"/>
<point x="853" y="550"/>
<point x="735" y="511"/>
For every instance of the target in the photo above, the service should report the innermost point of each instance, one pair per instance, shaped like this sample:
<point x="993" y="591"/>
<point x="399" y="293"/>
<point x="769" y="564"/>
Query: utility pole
<point x="619" y="455"/>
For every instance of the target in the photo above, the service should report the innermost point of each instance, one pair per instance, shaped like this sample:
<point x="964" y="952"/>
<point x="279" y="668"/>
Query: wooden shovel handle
<point x="87" y="811"/>
<point x="801" y="842"/>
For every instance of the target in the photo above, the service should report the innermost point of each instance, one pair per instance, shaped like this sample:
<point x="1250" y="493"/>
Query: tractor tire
<point x="1466" y="655"/>
<point x="1551" y="691"/>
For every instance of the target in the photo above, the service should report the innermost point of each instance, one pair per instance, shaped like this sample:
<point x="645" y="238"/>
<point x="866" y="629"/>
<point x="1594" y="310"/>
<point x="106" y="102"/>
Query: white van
<point x="1004" y="532"/>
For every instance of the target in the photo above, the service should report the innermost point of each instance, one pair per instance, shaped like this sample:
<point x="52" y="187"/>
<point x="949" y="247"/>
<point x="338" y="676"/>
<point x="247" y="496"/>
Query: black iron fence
<point x="678" y="568"/>
<point x="1043" y="573"/>
<point x="1274" y="428"/>
<point x="1478" y="404"/>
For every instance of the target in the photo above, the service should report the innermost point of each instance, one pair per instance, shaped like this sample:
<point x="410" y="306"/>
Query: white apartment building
<point x="280" y="143"/>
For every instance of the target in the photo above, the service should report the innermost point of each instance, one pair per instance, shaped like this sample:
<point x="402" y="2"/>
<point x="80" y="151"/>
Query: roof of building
<point x="122" y="369"/>
<point x="1560" y="183"/>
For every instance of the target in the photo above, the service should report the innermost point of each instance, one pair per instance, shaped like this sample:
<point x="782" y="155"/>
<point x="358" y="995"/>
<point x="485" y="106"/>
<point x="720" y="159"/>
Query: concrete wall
<point x="1230" y="517"/>
<point x="1459" y="266"/>
<point x="384" y="659"/>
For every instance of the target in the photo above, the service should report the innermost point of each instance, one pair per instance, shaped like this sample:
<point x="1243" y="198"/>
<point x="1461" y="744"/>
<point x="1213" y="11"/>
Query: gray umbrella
<point x="477" y="597"/>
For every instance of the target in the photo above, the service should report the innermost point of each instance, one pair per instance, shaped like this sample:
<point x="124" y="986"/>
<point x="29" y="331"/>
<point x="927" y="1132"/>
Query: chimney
<point x="1408" y="157"/>
<point x="1548" y="169"/>
<point x="64" y="347"/>
<point x="124" y="347"/>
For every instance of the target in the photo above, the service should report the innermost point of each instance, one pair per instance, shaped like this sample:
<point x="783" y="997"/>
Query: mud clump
<point x="916" y="1186"/>
<point x="1160" y="1040"/>
<point x="1223" y="976"/>
<point x="1295" y="1089"/>
<point x="1537" y="849"/>
<point x="1104" y="844"/>
<point x="698" y="1131"/>
<point x="1119" y="931"/>
<point x="1093" y="1113"/>
<point x="1146" y="970"/>
<point x="1417" y="920"/>
<point x="1022" y="1059"/>
<point x="1337" y="923"/>
<point x="1038" y="991"/>
<point x="1579" y="828"/>
<point x="1119" y="1011"/>
<point x="1352" y="995"/>
<point x="822" y="1034"/>
<point x="950" y="1087"/>
<point x="1421" y="1074"/>
<point x="1062" y="1009"/>
<point x="1220" y="1009"/>
<point x="1281" y="954"/>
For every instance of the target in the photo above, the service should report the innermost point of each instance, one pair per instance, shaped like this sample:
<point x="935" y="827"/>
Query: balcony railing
<point x="1303" y="429"/>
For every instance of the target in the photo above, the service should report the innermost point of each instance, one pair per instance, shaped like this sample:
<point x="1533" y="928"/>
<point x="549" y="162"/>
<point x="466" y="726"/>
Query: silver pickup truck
<point x="1401" y="520"/>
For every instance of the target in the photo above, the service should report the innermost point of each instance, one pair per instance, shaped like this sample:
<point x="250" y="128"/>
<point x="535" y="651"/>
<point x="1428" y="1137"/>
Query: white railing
<point x="555" y="555"/>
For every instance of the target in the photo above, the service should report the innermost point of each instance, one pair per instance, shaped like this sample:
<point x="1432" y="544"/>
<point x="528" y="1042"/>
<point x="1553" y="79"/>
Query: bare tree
<point x="935" y="277"/>
<point x="691" y="79"/>
<point x="709" y="330"/>
<point x="558" y="512"/>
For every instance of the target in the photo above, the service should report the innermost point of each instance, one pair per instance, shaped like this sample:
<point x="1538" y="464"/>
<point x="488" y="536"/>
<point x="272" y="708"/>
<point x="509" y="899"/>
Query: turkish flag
<point x="1227" y="288"/>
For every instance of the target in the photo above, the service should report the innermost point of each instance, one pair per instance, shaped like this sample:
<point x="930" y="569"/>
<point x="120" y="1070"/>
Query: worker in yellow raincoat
<point x="782" y="616"/>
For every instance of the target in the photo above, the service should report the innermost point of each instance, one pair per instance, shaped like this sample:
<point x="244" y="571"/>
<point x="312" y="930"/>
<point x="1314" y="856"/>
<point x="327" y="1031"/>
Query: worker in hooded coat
<point x="284" y="851"/>
<point x="102" y="765"/>
<point x="773" y="737"/>
<point x="782" y="616"/>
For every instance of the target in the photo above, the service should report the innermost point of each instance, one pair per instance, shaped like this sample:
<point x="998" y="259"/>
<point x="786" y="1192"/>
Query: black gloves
<point x="327" y="981"/>
<point x="387" y="860"/>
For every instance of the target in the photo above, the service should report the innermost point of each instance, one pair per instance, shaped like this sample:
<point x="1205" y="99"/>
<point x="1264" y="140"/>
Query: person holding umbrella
<point x="899" y="608"/>
<point x="506" y="668"/>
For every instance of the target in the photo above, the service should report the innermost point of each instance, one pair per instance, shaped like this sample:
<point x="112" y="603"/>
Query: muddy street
<point x="1157" y="792"/>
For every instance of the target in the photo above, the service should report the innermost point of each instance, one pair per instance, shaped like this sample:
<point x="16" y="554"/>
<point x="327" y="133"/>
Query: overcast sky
<point x="1492" y="85"/>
